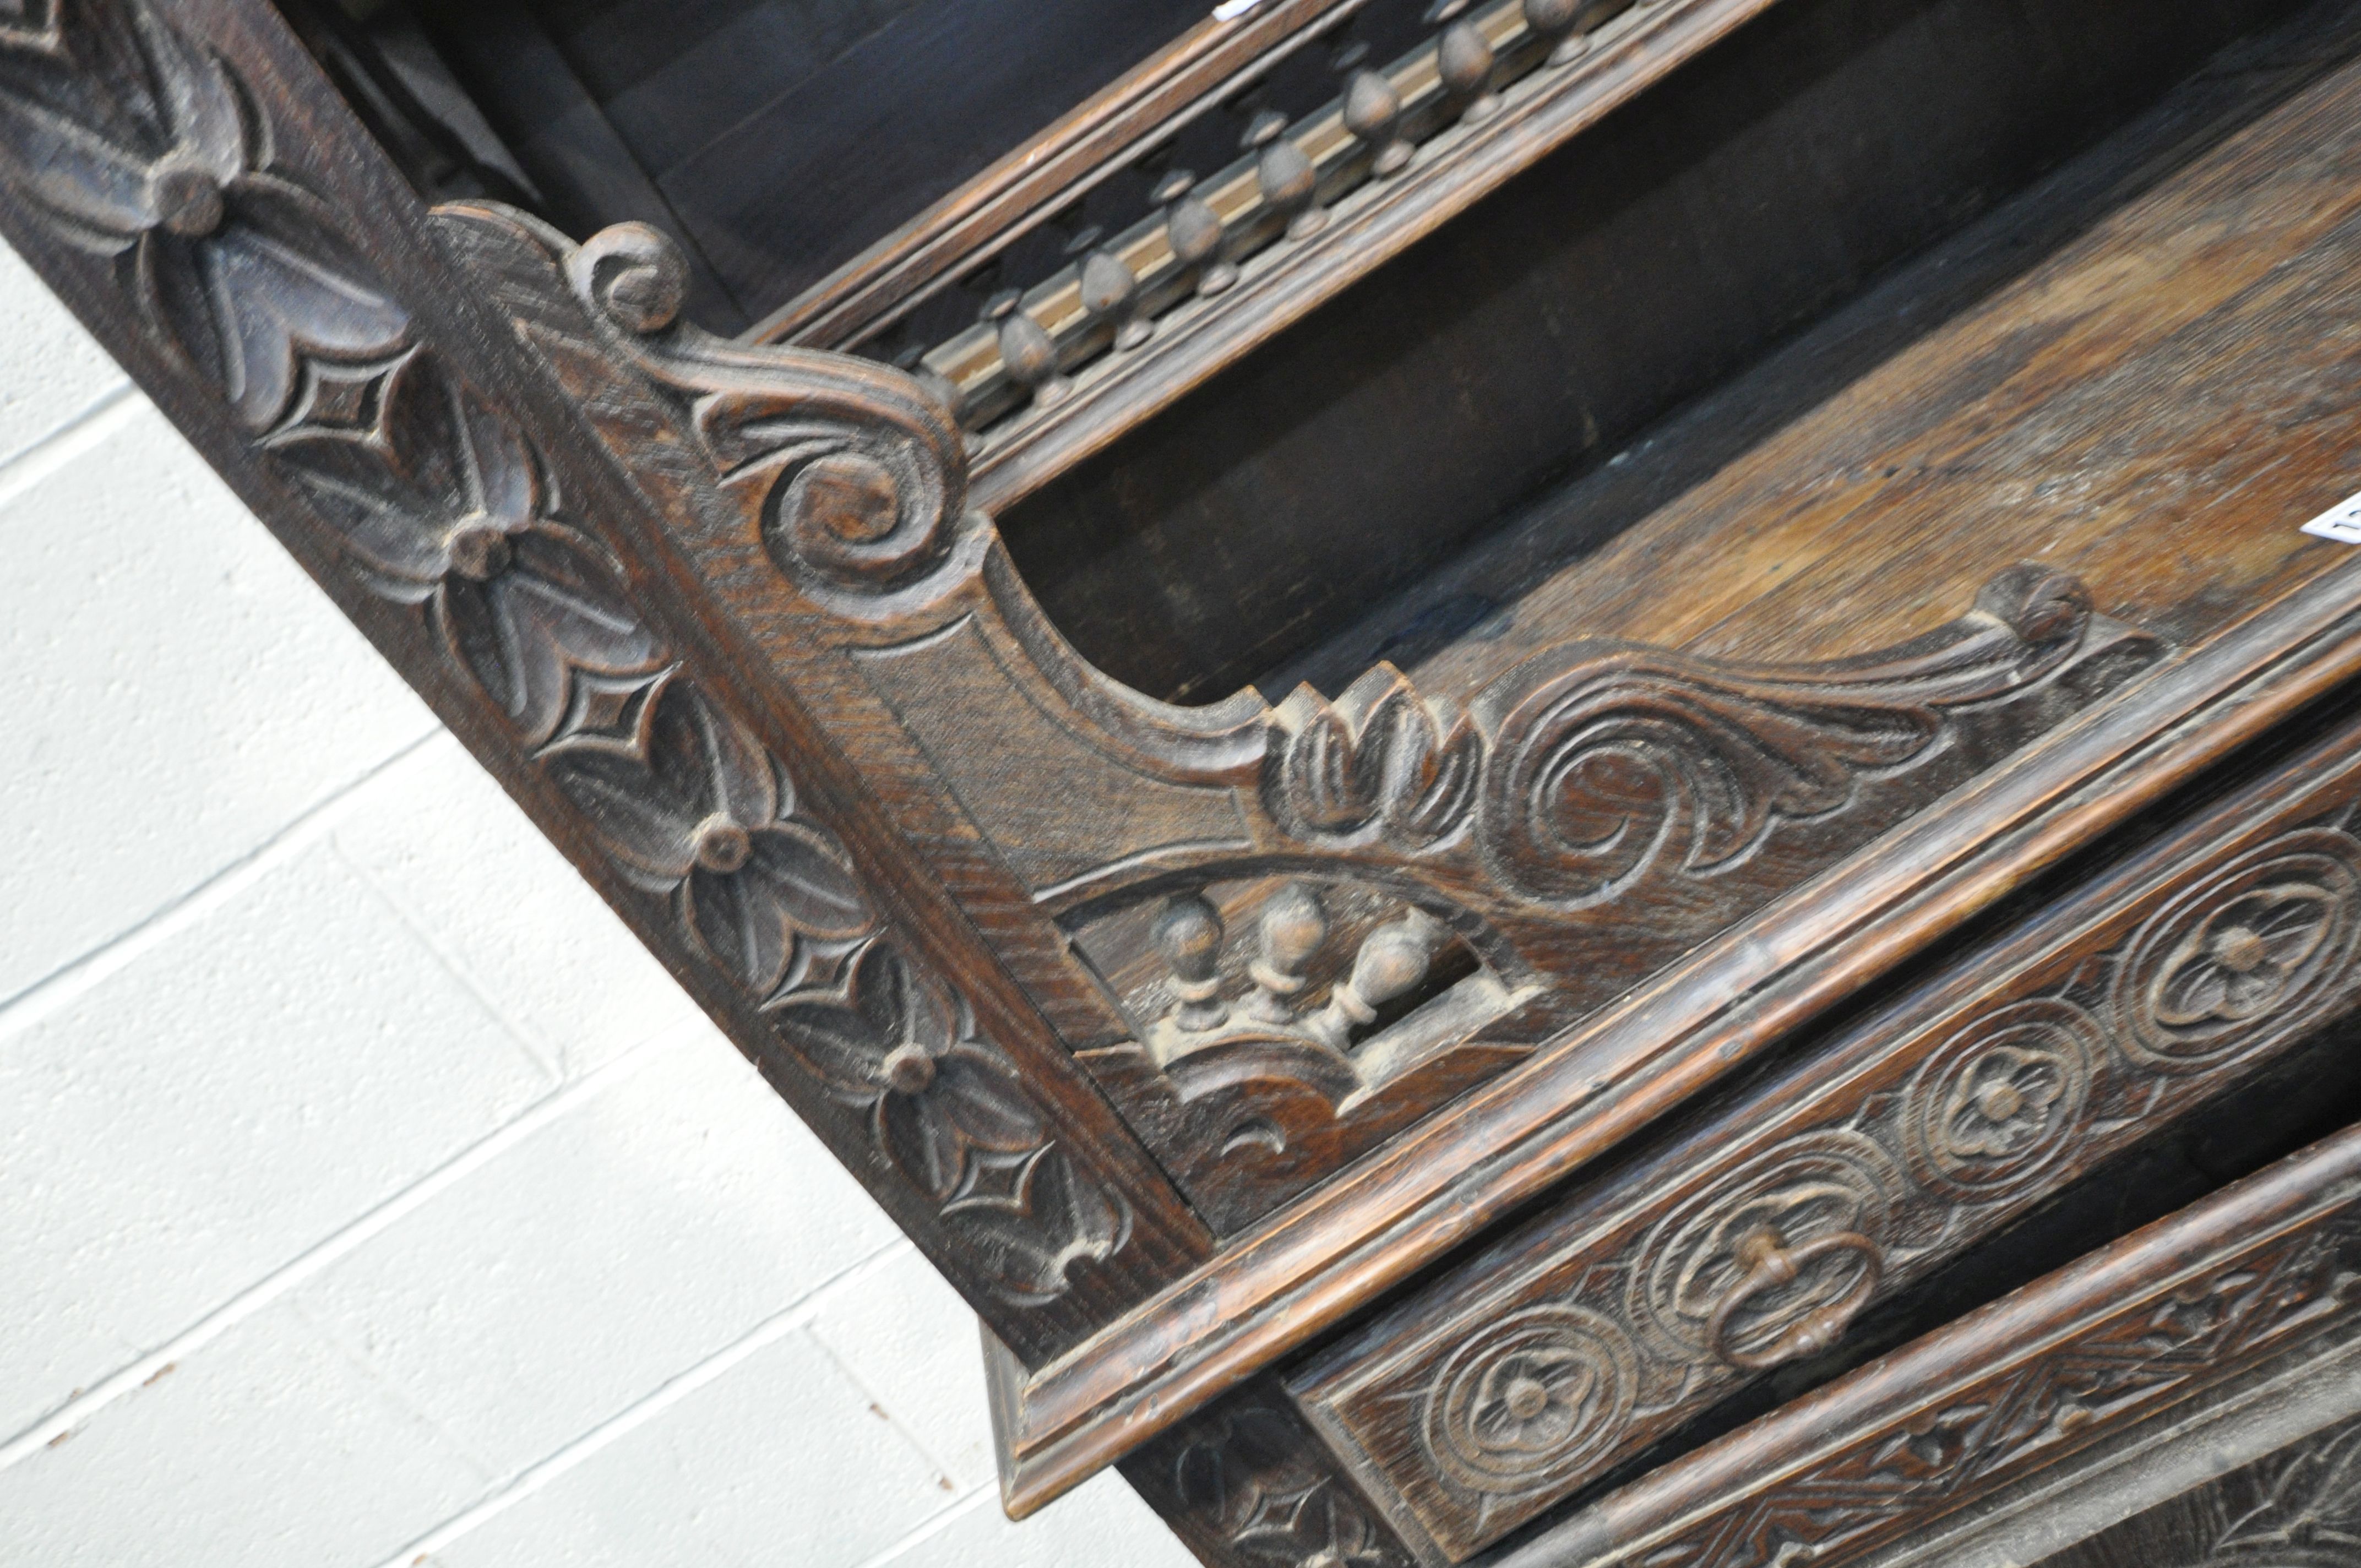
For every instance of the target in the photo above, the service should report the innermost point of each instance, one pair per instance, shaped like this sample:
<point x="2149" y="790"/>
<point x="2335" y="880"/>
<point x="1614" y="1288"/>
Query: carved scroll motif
<point x="139" y="145"/>
<point x="1686" y="1281"/>
<point x="1585" y="819"/>
<point x="1592" y="768"/>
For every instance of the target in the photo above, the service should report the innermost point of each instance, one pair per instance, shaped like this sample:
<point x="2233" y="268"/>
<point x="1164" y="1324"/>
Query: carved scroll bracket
<point x="1582" y="820"/>
<point x="186" y="178"/>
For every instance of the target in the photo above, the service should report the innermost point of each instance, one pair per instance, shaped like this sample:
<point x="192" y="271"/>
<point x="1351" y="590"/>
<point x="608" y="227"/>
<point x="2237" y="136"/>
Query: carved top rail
<point x="1057" y="367"/>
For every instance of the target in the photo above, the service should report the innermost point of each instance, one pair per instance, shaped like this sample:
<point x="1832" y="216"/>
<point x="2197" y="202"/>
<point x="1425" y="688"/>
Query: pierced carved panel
<point x="1283" y="1026"/>
<point x="1757" y="1237"/>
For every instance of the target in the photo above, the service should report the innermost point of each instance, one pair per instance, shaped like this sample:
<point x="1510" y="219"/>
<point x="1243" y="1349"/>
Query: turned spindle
<point x="1553" y="21"/>
<point x="1373" y="114"/>
<point x="1393" y="959"/>
<point x="1026" y="349"/>
<point x="1465" y="60"/>
<point x="1110" y="291"/>
<point x="1196" y="233"/>
<point x="1188" y="935"/>
<point x="1295" y="927"/>
<point x="1290" y="185"/>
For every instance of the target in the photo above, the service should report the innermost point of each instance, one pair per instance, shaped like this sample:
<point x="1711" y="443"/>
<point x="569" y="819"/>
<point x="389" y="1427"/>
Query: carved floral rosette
<point x="128" y="140"/>
<point x="2219" y="961"/>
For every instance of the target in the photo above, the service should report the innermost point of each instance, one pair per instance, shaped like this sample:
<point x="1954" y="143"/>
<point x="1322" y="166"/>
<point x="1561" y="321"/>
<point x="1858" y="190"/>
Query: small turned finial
<point x="1373" y="114"/>
<point x="1295" y="927"/>
<point x="1188" y="933"/>
<point x="1289" y="183"/>
<point x="1553" y="21"/>
<point x="1110" y="290"/>
<point x="1393" y="959"/>
<point x="1196" y="232"/>
<point x="1027" y="348"/>
<point x="1464" y="58"/>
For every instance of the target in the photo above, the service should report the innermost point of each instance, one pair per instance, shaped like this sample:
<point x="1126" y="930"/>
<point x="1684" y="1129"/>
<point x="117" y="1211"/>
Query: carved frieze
<point x="2029" y="1409"/>
<point x="1755" y="1242"/>
<point x="136" y="143"/>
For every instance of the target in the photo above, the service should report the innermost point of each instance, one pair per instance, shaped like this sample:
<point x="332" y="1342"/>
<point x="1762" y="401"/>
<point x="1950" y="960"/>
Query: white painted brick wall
<point x="368" y="1198"/>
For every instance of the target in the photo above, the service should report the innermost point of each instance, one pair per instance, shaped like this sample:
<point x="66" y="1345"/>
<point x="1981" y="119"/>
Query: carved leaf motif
<point x="1262" y="1486"/>
<point x="1375" y="759"/>
<point x="1608" y="762"/>
<point x="1995" y="1431"/>
<point x="2312" y="1516"/>
<point x="443" y="502"/>
<point x="690" y="805"/>
<point x="140" y="145"/>
<point x="951" y="1112"/>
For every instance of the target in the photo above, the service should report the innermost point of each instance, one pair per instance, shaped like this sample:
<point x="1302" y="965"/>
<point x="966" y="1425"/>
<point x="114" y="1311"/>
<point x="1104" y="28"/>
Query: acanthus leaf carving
<point x="1608" y="762"/>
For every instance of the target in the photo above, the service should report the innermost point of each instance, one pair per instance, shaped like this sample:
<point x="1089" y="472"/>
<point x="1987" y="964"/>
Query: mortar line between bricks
<point x="974" y="1502"/>
<point x="544" y="1053"/>
<point x="635" y="1415"/>
<point x="27" y="466"/>
<point x="77" y="976"/>
<point x="62" y="1422"/>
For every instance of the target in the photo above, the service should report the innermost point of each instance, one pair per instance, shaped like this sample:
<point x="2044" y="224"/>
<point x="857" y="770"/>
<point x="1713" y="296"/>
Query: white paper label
<point x="2341" y="522"/>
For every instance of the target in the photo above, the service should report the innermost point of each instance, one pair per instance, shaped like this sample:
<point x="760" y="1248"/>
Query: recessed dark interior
<point x="775" y="138"/>
<point x="1248" y="533"/>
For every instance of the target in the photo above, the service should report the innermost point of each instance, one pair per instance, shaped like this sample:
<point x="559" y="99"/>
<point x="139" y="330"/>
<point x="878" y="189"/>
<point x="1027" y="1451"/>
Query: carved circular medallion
<point x="723" y="844"/>
<point x="909" y="1069"/>
<point x="2267" y="942"/>
<point x="1531" y="1399"/>
<point x="1804" y="1192"/>
<point x="2002" y="1098"/>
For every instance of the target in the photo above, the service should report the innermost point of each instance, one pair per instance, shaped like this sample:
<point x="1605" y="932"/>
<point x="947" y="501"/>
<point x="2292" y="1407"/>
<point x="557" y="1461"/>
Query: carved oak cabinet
<point x="1557" y="781"/>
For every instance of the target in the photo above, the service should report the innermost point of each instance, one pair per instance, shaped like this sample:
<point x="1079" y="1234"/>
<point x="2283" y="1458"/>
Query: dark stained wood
<point x="1754" y="1238"/>
<point x="276" y="288"/>
<point x="2008" y="1391"/>
<point x="2302" y="1505"/>
<point x="1540" y="332"/>
<point x="978" y="221"/>
<point x="1179" y="1036"/>
<point x="1281" y="1282"/>
<point x="1246" y="1484"/>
